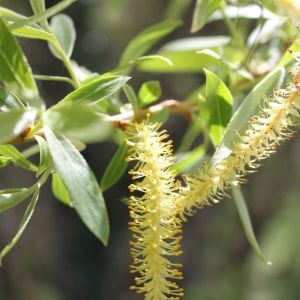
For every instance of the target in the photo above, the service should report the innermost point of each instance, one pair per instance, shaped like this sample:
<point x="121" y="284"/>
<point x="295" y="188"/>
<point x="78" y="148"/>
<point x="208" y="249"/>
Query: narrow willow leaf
<point x="9" y="101"/>
<point x="149" y="92"/>
<point x="62" y="26"/>
<point x="97" y="90"/>
<point x="203" y="10"/>
<point x="131" y="96"/>
<point x="115" y="169"/>
<point x="78" y="121"/>
<point x="185" y="61"/>
<point x="14" y="123"/>
<point x="60" y="191"/>
<point x="45" y="157"/>
<point x="249" y="107"/>
<point x="12" y="197"/>
<point x="251" y="104"/>
<point x="15" y="71"/>
<point x="81" y="184"/>
<point x="177" y="8"/>
<point x="4" y="160"/>
<point x="219" y="101"/>
<point x="190" y="161"/>
<point x="17" y="157"/>
<point x="145" y="40"/>
<point x="24" y="222"/>
<point x="246" y="222"/>
<point x="34" y="33"/>
<point x="39" y="17"/>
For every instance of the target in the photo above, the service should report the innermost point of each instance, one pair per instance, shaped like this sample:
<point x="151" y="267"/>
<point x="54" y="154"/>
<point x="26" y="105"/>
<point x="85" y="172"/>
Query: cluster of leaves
<point x="248" y="59"/>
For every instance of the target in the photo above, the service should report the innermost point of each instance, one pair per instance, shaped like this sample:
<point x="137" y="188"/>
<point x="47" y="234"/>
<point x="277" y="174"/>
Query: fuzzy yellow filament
<point x="154" y="212"/>
<point x="268" y="129"/>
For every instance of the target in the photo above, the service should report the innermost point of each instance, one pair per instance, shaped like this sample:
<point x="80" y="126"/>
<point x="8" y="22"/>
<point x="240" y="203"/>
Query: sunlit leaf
<point x="81" y="184"/>
<point x="219" y="101"/>
<point x="145" y="40"/>
<point x="15" y="71"/>
<point x="149" y="92"/>
<point x="202" y="11"/>
<point x="17" y="157"/>
<point x="63" y="28"/>
<point x="97" y="90"/>
<point x="78" y="121"/>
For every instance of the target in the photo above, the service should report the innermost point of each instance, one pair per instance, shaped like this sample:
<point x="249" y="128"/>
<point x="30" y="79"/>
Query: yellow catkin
<point x="266" y="131"/>
<point x="155" y="224"/>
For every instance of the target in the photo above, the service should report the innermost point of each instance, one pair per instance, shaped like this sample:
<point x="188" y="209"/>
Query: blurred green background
<point x="59" y="259"/>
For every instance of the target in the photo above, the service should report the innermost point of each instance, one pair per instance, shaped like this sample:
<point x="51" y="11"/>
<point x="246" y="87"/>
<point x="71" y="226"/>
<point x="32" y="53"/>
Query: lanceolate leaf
<point x="25" y="220"/>
<point x="63" y="28"/>
<point x="203" y="10"/>
<point x="97" y="90"/>
<point x="219" y="102"/>
<point x="78" y="121"/>
<point x="246" y="222"/>
<point x="11" y="197"/>
<point x="17" y="157"/>
<point x="81" y="184"/>
<point x="145" y="40"/>
<point x="116" y="168"/>
<point x="14" y="69"/>
<point x="59" y="190"/>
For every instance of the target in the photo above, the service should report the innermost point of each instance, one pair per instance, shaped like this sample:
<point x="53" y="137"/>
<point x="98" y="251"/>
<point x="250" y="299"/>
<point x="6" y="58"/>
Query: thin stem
<point x="55" y="78"/>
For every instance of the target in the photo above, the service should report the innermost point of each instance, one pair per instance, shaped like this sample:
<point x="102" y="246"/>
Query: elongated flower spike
<point x="273" y="124"/>
<point x="155" y="223"/>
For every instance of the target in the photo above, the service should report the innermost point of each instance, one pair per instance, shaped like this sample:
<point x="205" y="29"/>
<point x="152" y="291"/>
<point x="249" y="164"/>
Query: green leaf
<point x="12" y="197"/>
<point x="149" y="92"/>
<point x="81" y="184"/>
<point x="45" y="157"/>
<point x="17" y="157"/>
<point x="251" y="104"/>
<point x="115" y="169"/>
<point x="96" y="90"/>
<point x="15" y="71"/>
<point x="78" y="121"/>
<point x="34" y="33"/>
<point x="9" y="101"/>
<point x="203" y="10"/>
<point x="14" y="123"/>
<point x="177" y="8"/>
<point x="60" y="191"/>
<point x="145" y="40"/>
<point x="219" y="102"/>
<point x="186" y="55"/>
<point x="131" y="96"/>
<point x="25" y="220"/>
<point x="62" y="26"/>
<point x="246" y="222"/>
<point x="43" y="15"/>
<point x="4" y="160"/>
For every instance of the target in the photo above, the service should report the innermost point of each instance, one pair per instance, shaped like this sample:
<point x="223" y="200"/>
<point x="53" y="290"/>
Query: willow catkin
<point x="272" y="125"/>
<point x="155" y="224"/>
